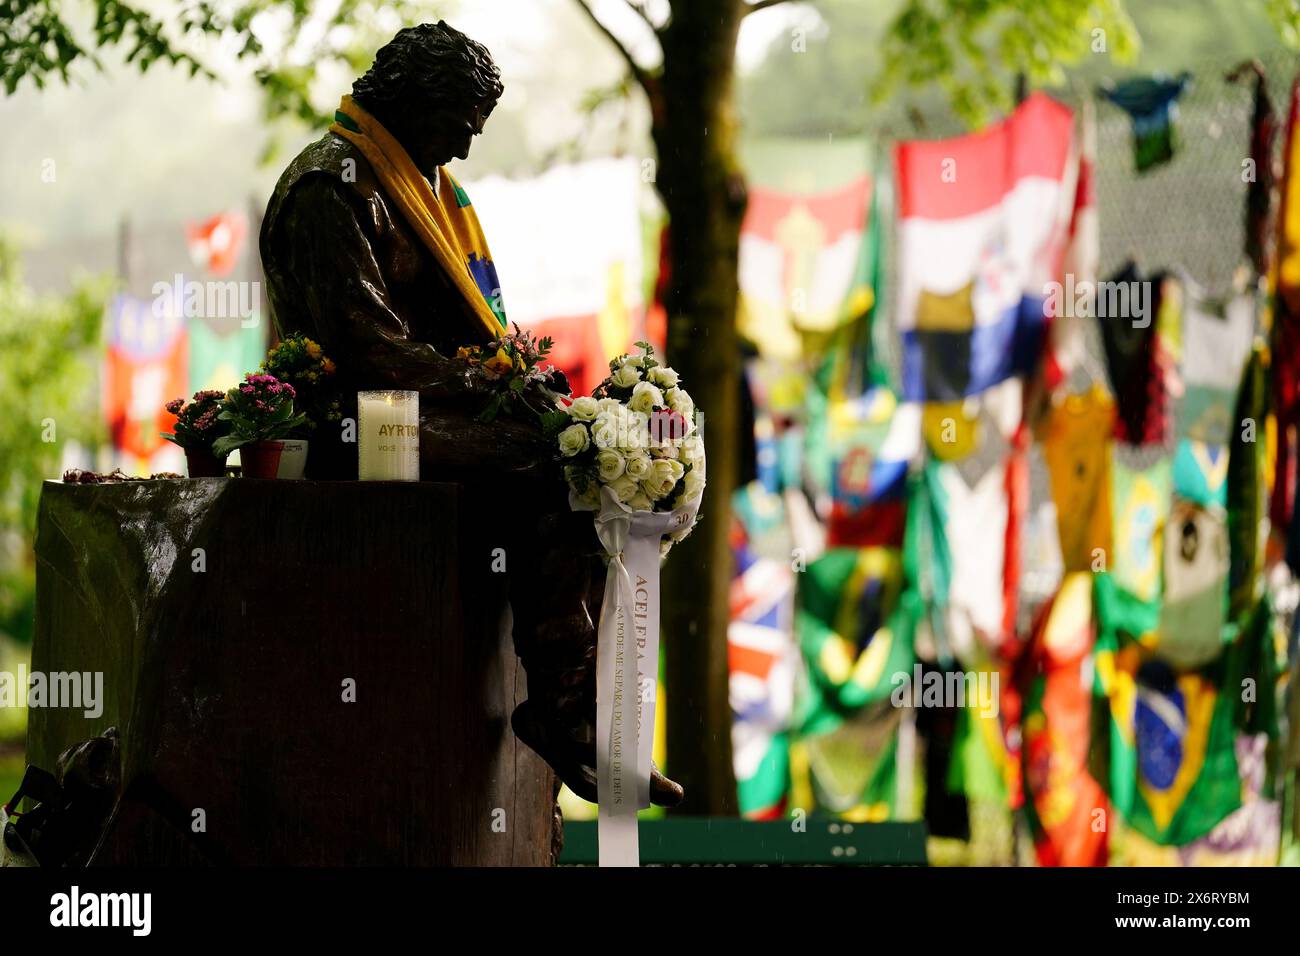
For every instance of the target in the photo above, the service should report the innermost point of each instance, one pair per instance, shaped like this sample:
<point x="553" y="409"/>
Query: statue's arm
<point x="331" y="255"/>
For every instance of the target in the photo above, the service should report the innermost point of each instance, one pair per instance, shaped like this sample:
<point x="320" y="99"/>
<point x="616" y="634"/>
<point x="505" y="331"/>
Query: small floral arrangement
<point x="299" y="362"/>
<point x="512" y="367"/>
<point x="198" y="423"/>
<point x="260" y="409"/>
<point x="637" y="434"/>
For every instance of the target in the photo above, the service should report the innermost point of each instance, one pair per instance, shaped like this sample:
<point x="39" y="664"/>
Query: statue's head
<point x="433" y="88"/>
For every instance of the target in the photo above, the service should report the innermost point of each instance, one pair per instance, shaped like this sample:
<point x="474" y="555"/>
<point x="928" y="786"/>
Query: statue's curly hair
<point x="430" y="66"/>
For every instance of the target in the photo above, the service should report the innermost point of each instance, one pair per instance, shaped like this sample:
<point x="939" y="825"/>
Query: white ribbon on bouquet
<point x="627" y="667"/>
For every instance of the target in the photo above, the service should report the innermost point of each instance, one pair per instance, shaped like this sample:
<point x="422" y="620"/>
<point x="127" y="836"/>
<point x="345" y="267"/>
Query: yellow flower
<point x="327" y="367"/>
<point x="312" y="348"/>
<point x="501" y="362"/>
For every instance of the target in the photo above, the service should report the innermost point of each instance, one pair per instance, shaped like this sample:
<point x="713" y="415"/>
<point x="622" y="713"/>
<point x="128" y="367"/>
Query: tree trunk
<point x="703" y="191"/>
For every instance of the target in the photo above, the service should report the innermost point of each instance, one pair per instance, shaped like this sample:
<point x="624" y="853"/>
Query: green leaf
<point x="554" y="422"/>
<point x="225" y="445"/>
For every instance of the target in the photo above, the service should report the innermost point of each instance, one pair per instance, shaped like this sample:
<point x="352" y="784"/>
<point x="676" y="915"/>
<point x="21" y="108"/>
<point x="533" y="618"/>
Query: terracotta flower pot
<point x="201" y="463"/>
<point x="283" y="458"/>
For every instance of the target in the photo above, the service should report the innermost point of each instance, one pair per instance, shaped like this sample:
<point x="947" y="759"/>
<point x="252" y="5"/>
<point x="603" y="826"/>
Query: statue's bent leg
<point x="555" y="595"/>
<point x="556" y="580"/>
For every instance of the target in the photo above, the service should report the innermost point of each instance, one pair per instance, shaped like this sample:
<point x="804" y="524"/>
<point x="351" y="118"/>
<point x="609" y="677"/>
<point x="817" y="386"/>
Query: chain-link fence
<point x="1190" y="211"/>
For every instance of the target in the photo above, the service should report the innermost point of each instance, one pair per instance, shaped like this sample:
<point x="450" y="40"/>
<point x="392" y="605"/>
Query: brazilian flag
<point x="854" y="631"/>
<point x="1173" y="772"/>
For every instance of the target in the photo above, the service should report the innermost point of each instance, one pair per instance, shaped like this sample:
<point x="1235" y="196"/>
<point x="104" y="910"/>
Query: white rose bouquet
<point x="633" y="455"/>
<point x="637" y="435"/>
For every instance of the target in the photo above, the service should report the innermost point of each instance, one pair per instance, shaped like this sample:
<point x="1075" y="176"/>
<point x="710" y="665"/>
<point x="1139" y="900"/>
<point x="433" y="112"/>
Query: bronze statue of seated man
<point x="371" y="248"/>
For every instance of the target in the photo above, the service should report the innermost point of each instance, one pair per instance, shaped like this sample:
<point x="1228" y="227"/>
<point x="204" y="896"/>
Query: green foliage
<point x="925" y="84"/>
<point x="1286" y="14"/>
<point x="48" y="359"/>
<point x="351" y="34"/>
<point x="39" y="41"/>
<point x="13" y="720"/>
<point x="974" y="48"/>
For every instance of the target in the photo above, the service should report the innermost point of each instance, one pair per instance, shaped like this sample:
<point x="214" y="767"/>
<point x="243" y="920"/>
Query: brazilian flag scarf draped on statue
<point x="444" y="220"/>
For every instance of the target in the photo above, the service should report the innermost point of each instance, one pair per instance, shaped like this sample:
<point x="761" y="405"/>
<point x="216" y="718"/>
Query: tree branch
<point x="639" y="73"/>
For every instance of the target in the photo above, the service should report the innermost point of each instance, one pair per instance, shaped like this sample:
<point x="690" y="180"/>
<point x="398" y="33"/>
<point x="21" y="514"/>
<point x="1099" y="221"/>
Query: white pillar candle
<point x="388" y="436"/>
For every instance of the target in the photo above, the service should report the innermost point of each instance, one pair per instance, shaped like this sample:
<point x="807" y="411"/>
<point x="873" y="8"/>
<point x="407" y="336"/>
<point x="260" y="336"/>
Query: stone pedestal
<point x="316" y="672"/>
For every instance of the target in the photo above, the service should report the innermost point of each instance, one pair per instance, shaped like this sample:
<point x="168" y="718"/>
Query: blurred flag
<point x="983" y="222"/>
<point x="217" y="243"/>
<point x="1174" y="764"/>
<point x="869" y="443"/>
<point x="1074" y="434"/>
<point x="851" y="633"/>
<point x="1068" y="809"/>
<point x="1216" y="342"/>
<point x="1152" y="104"/>
<point x="221" y="351"/>
<point x="1140" y="500"/>
<point x="1259" y="194"/>
<point x="145" y="366"/>
<point x="1247" y="485"/>
<point x="1067" y="347"/>
<point x="1187" y="774"/>
<point x="1285" y="337"/>
<point x="1249" y="836"/>
<point x="763" y="661"/>
<point x="1192" y="613"/>
<point x="804" y="264"/>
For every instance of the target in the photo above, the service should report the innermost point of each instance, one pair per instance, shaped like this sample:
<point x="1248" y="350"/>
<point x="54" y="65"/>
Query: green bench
<point x="719" y="840"/>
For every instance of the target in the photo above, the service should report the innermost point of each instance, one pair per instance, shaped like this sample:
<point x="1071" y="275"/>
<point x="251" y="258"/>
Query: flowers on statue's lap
<point x="511" y="368"/>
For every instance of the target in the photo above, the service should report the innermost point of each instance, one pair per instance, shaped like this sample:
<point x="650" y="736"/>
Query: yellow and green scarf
<point x="445" y="221"/>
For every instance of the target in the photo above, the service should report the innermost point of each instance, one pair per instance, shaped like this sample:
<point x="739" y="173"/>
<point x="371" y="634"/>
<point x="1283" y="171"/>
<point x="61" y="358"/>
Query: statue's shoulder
<point x="330" y="154"/>
<point x="330" y="159"/>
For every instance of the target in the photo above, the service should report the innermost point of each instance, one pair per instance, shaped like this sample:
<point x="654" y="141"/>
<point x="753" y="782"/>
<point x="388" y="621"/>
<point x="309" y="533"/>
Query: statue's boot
<point x="555" y="597"/>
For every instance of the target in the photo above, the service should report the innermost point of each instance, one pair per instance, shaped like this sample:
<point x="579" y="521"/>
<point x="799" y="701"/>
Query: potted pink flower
<point x="261" y="417"/>
<point x="197" y="426"/>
